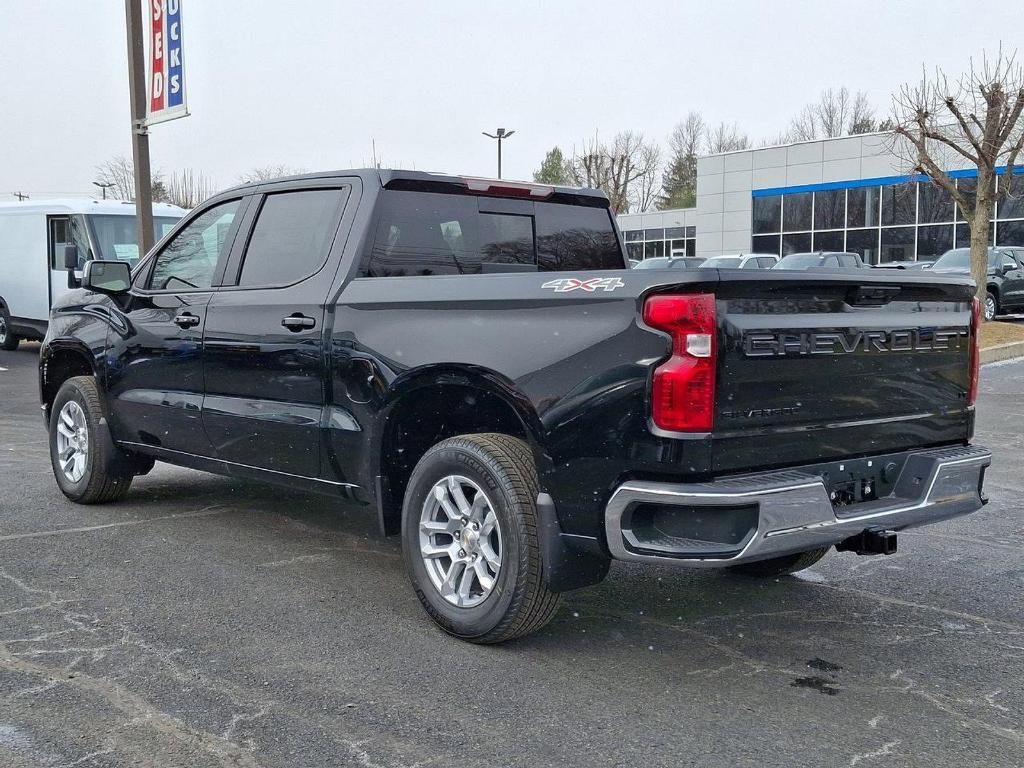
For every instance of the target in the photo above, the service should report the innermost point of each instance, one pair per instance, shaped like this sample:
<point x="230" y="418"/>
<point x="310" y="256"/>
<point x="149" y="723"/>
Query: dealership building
<point x="846" y="194"/>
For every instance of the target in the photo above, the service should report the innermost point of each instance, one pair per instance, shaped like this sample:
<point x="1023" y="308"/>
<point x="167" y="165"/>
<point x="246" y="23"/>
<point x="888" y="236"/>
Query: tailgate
<point x="819" y="366"/>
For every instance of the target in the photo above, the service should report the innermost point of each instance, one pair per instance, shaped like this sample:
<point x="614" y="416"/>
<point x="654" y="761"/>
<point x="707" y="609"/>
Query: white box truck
<point x="34" y="235"/>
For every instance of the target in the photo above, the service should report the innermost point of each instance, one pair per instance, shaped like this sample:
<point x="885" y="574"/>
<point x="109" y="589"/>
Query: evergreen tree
<point x="552" y="169"/>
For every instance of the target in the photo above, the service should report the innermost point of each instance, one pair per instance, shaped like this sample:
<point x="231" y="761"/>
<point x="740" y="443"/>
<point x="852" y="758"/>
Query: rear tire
<point x="781" y="566"/>
<point x="87" y="465"/>
<point x="471" y="502"/>
<point x="991" y="306"/>
<point x="8" y="339"/>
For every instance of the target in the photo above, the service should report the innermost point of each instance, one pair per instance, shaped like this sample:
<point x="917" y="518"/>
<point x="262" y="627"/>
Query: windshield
<point x="115" y="235"/>
<point x="722" y="262"/>
<point x="799" y="261"/>
<point x="960" y="258"/>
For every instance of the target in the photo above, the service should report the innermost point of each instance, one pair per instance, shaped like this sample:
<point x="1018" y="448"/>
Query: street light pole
<point x="104" y="186"/>
<point x="499" y="135"/>
<point x="140" y="134"/>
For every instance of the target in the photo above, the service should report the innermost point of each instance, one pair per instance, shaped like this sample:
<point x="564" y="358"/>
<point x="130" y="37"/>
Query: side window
<point x="766" y="262"/>
<point x="750" y="264"/>
<point x="1008" y="262"/>
<point x="190" y="259"/>
<point x="292" y="237"/>
<point x="848" y="260"/>
<point x="68" y="230"/>
<point x="427" y="233"/>
<point x="830" y="261"/>
<point x="575" y="237"/>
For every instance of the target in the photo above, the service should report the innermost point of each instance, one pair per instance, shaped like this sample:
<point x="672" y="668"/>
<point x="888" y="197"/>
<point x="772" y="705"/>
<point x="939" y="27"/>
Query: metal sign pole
<point x="140" y="134"/>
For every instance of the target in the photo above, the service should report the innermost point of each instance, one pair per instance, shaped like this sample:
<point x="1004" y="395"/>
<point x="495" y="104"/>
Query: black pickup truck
<point x="471" y="361"/>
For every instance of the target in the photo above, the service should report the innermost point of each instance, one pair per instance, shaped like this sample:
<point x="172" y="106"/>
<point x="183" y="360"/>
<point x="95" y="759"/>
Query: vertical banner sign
<point x="166" y="73"/>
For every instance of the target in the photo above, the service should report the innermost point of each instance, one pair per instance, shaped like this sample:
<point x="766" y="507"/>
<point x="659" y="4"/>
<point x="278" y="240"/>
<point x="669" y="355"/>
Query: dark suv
<point x="1005" y="289"/>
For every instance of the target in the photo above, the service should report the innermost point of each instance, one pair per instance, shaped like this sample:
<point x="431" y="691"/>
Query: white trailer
<point x="33" y="239"/>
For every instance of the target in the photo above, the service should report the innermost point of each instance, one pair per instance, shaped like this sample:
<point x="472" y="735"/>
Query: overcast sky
<point x="310" y="84"/>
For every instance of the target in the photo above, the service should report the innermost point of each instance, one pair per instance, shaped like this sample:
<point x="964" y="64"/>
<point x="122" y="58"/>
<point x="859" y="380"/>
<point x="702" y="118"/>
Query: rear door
<point x="838" y="365"/>
<point x="1013" y="278"/>
<point x="264" y="354"/>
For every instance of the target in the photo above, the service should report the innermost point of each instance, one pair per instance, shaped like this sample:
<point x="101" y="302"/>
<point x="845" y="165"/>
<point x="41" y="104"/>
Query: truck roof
<point x="84" y="205"/>
<point x="395" y="178"/>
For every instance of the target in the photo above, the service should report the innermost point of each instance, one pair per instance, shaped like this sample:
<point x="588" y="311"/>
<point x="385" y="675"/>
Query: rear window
<point x="425" y="233"/>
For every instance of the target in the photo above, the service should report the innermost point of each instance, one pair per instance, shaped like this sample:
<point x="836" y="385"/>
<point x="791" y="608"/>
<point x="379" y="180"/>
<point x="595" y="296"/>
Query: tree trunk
<point x="980" y="228"/>
<point x="979" y="251"/>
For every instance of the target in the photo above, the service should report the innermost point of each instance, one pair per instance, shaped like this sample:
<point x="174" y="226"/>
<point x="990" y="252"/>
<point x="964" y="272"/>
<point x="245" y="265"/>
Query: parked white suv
<point x="741" y="261"/>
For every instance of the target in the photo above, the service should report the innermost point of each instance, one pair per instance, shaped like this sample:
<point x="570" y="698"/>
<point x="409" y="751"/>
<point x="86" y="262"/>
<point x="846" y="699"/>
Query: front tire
<point x="781" y="566"/>
<point x="470" y="540"/>
<point x="8" y="340"/>
<point x="88" y="467"/>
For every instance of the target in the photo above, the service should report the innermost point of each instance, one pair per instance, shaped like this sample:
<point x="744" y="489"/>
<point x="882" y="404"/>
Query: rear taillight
<point x="683" y="392"/>
<point x="972" y="390"/>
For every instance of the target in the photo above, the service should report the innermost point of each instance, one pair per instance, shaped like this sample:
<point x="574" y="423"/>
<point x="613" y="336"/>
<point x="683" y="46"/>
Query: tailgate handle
<point x="873" y="295"/>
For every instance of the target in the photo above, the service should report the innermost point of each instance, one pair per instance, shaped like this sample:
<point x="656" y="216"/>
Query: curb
<point x="1002" y="352"/>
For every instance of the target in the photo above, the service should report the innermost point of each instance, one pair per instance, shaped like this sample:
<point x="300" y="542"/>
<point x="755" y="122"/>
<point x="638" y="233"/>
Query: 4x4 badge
<point x="566" y="284"/>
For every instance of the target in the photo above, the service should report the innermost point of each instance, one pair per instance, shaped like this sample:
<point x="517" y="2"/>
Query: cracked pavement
<point x="207" y="621"/>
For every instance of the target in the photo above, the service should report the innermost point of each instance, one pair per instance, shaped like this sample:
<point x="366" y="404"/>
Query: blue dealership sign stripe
<point x="966" y="173"/>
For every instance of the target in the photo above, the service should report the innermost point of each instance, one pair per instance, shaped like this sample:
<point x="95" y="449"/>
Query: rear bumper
<point x="777" y="513"/>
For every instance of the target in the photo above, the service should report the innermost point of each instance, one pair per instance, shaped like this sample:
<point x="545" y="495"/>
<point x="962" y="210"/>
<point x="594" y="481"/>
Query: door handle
<point x="186" y="320"/>
<point x="297" y="322"/>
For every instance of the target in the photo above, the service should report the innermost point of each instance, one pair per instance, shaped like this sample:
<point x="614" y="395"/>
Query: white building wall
<point x="725" y="182"/>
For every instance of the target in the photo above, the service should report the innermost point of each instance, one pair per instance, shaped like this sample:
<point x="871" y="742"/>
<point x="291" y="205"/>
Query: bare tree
<point x="269" y="173"/>
<point x="803" y="126"/>
<point x="862" y="115"/>
<point x="626" y="170"/>
<point x="119" y="172"/>
<point x="725" y="137"/>
<point x="832" y="111"/>
<point x="977" y="118"/>
<point x="187" y="189"/>
<point x="835" y="113"/>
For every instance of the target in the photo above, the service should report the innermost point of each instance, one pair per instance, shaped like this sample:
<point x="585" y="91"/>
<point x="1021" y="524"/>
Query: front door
<point x="263" y="347"/>
<point x="155" y="370"/>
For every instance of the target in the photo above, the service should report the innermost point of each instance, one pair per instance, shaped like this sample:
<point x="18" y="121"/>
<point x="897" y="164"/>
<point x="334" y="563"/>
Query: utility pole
<point x="20" y="195"/>
<point x="104" y="185"/>
<point x="140" y="134"/>
<point x="500" y="135"/>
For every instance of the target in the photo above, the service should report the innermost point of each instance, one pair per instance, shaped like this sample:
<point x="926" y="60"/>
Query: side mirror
<point x="70" y="257"/>
<point x="107" y="276"/>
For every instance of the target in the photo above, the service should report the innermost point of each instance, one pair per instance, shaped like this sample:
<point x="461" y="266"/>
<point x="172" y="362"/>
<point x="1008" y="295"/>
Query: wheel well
<point x="424" y="417"/>
<point x="60" y="366"/>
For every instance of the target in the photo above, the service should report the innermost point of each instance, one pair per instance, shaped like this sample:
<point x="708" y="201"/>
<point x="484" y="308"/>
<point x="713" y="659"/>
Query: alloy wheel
<point x="72" y="441"/>
<point x="460" y="541"/>
<point x="3" y="329"/>
<point x="990" y="308"/>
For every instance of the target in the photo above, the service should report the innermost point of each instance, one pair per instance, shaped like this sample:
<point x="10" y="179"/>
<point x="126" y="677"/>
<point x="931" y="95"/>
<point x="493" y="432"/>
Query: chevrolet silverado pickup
<point x="472" y="362"/>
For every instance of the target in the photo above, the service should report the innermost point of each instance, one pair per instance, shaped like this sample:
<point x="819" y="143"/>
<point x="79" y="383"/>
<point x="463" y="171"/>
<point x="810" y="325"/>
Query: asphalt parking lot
<point x="210" y="622"/>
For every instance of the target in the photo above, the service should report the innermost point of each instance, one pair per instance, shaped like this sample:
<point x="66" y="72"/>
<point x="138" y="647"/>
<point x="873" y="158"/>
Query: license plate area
<point x="856" y="481"/>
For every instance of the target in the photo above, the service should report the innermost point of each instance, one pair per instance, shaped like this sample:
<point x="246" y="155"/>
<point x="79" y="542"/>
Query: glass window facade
<point x="890" y="222"/>
<point x="654" y="243"/>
